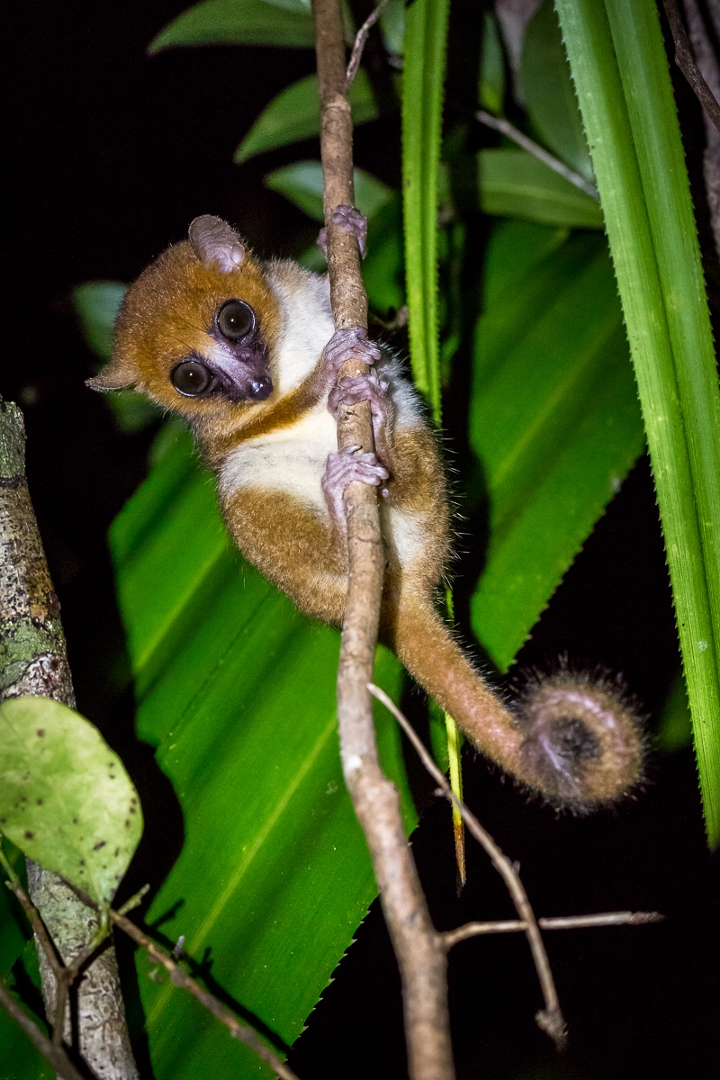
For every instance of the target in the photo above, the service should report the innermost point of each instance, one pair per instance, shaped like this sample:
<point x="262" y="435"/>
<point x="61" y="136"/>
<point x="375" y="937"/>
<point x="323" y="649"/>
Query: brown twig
<point x="420" y="951"/>
<point x="53" y="1054"/>
<point x="498" y="123"/>
<point x="360" y="39"/>
<point x="550" y="1019"/>
<point x="63" y="977"/>
<point x="33" y="915"/>
<point x="686" y="62"/>
<point x="242" y="1032"/>
<point x="567" y="922"/>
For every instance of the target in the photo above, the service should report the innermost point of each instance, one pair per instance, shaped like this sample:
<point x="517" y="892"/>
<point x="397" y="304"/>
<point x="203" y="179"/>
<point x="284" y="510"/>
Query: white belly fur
<point x="290" y="460"/>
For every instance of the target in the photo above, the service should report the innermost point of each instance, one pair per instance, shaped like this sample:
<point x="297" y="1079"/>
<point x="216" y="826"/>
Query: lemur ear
<point x="117" y="375"/>
<point x="216" y="243"/>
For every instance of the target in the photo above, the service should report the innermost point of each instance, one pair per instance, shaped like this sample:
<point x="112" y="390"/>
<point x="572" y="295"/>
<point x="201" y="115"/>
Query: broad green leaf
<point x="19" y="1060"/>
<point x="65" y="798"/>
<point x="302" y="184"/>
<point x="294" y="115"/>
<point x="554" y="418"/>
<point x="549" y="92"/>
<point x="620" y="69"/>
<point x="513" y="183"/>
<point x="383" y="267"/>
<point x="491" y="83"/>
<point x="240" y="22"/>
<point x="237" y="692"/>
<point x="422" y="98"/>
<point x="96" y="305"/>
<point x="675" y="727"/>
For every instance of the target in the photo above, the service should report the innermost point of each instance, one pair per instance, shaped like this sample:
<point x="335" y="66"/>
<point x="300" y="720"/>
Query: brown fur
<point x="577" y="744"/>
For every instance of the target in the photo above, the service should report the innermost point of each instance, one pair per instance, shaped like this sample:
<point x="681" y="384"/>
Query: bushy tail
<point x="573" y="739"/>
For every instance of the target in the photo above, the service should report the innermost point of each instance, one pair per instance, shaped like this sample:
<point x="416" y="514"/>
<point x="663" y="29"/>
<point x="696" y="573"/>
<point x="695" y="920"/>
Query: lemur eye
<point x="191" y="378"/>
<point x="236" y="320"/>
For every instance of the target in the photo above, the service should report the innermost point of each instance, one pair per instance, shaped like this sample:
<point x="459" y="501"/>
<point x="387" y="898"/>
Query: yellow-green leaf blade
<point x="65" y="798"/>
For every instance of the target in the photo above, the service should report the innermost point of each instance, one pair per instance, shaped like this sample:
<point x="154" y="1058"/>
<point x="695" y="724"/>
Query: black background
<point x="111" y="154"/>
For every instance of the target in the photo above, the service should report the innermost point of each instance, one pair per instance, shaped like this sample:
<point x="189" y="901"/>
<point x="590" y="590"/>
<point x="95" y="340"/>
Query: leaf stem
<point x="498" y="123"/>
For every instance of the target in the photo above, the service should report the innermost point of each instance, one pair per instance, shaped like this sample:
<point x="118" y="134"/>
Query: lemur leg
<point x="348" y="220"/>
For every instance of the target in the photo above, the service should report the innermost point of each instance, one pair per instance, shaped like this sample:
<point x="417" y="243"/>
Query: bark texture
<point x="420" y="951"/>
<point x="33" y="662"/>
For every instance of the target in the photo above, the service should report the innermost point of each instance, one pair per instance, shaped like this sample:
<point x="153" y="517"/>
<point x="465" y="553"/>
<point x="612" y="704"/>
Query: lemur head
<point x="195" y="331"/>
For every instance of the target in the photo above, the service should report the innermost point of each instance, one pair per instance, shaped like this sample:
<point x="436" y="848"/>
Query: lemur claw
<point x="349" y="344"/>
<point x="348" y="467"/>
<point x="352" y="389"/>
<point x="348" y="220"/>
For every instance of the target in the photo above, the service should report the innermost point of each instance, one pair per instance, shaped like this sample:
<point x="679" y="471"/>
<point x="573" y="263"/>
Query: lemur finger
<point x="348" y="220"/>
<point x="349" y="344"/>
<point x="346" y="467"/>
<point x="352" y="389"/>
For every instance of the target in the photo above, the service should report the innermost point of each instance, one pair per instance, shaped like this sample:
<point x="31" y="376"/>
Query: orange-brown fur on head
<point x="166" y="315"/>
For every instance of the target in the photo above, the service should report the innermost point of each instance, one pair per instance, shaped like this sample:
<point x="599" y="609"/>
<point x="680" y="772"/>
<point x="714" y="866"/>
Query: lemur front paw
<point x="352" y="389"/>
<point x="348" y="220"/>
<point x="349" y="344"/>
<point x="346" y="467"/>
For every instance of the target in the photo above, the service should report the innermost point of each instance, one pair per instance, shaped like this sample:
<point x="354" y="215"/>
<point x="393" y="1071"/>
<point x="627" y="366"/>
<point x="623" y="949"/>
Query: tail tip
<point x="583" y="746"/>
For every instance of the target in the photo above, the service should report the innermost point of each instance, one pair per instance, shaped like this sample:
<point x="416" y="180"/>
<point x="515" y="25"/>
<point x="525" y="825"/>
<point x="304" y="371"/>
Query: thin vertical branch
<point x="419" y="949"/>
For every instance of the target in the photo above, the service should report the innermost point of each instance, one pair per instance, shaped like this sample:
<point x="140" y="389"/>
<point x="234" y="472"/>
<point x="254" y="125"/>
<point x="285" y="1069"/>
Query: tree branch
<point x="34" y="662"/>
<point x="360" y="39"/>
<point x="419" y="949"/>
<point x="686" y="62"/>
<point x="566" y="922"/>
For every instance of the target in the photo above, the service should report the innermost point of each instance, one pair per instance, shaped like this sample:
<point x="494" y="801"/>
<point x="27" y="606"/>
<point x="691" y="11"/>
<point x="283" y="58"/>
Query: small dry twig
<point x="64" y="976"/>
<point x="242" y="1032"/>
<point x="550" y="1019"/>
<point x="565" y="922"/>
<point x="498" y="123"/>
<point x="685" y="60"/>
<point x="53" y="1054"/>
<point x="360" y="39"/>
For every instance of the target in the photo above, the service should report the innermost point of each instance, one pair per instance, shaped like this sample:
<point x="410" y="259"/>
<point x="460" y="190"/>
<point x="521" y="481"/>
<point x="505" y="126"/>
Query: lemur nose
<point x="261" y="388"/>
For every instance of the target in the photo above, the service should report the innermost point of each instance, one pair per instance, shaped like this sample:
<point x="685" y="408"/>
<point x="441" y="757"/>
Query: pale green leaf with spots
<point x="65" y="798"/>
